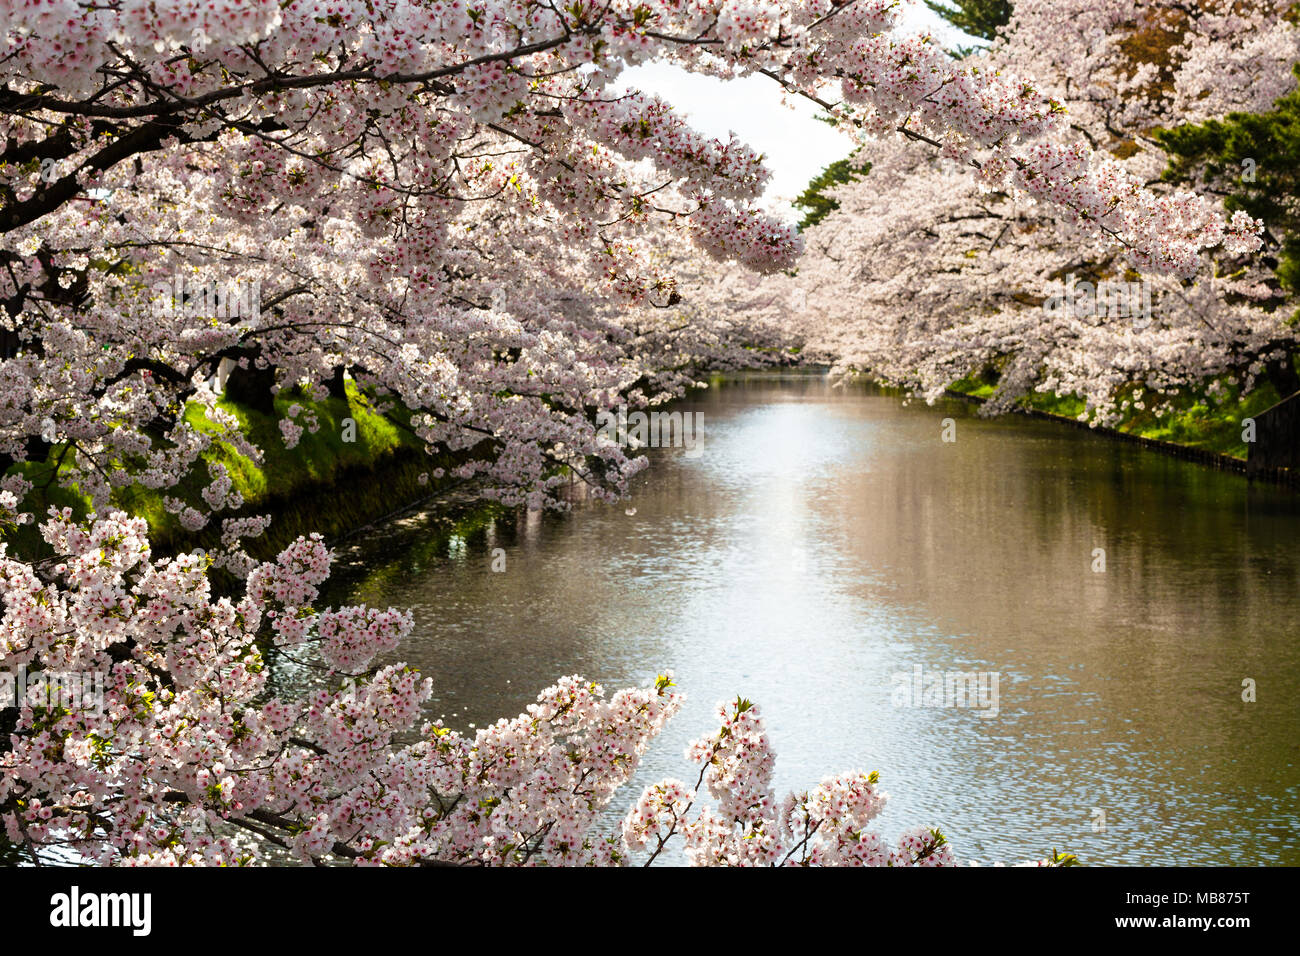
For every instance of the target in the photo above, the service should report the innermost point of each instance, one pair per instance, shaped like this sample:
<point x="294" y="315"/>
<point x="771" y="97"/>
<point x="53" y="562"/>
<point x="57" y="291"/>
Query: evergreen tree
<point x="1253" y="160"/>
<point x="816" y="205"/>
<point x="977" y="18"/>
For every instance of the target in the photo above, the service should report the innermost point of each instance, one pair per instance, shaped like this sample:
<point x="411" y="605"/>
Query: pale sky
<point x="796" y="147"/>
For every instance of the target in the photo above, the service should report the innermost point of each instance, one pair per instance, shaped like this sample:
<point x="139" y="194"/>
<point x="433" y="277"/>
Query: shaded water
<point x="825" y="540"/>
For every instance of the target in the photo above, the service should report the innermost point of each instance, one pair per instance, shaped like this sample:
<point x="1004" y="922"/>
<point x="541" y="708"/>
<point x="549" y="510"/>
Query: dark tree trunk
<point x="1282" y="373"/>
<point x="336" y="384"/>
<point x="252" y="386"/>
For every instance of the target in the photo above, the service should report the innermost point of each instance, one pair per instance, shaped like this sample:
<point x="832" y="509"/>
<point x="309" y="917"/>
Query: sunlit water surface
<point x="824" y="540"/>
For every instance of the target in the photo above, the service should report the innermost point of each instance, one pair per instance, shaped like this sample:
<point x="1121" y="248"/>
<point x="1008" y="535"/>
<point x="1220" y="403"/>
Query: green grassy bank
<point x="327" y="483"/>
<point x="1196" y="420"/>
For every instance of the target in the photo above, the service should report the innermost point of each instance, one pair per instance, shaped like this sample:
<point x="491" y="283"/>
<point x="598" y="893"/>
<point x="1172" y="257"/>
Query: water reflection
<point x="825" y="540"/>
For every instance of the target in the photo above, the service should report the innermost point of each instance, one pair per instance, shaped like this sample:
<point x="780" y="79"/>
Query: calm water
<point x="826" y="540"/>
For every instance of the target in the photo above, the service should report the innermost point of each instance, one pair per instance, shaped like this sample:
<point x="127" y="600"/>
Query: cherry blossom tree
<point x="425" y="197"/>
<point x="453" y="206"/>
<point x="925" y="276"/>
